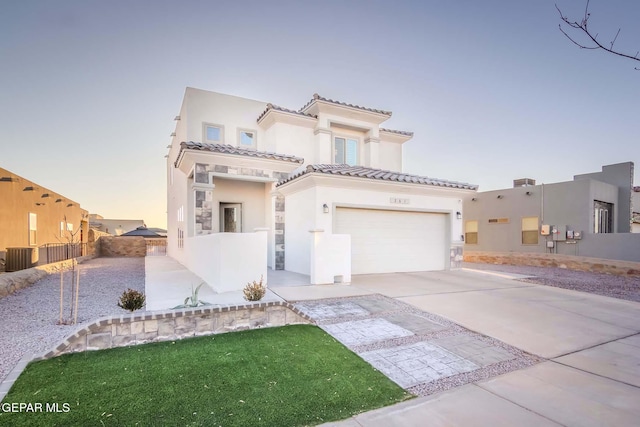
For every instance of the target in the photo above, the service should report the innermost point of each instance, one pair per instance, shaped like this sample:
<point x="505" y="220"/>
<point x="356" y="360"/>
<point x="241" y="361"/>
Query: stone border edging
<point x="15" y="280"/>
<point x="571" y="262"/>
<point x="166" y="325"/>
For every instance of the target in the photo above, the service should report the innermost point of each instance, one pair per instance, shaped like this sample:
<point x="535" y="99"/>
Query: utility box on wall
<point x="545" y="229"/>
<point x="559" y="232"/>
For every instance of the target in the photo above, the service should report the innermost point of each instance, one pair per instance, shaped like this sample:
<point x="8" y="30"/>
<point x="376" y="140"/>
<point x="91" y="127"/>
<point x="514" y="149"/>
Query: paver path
<point x="421" y="352"/>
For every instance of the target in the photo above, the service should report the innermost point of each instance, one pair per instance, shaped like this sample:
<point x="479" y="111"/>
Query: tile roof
<point x="285" y="110"/>
<point x="384" y="175"/>
<point x="230" y="149"/>
<point x="317" y="97"/>
<point x="399" y="132"/>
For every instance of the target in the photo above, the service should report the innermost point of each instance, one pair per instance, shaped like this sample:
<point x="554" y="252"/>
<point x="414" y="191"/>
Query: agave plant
<point x="193" y="301"/>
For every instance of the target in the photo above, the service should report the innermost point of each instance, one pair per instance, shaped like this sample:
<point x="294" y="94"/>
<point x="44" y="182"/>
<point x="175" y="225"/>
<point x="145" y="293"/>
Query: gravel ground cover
<point x="627" y="288"/>
<point x="28" y="318"/>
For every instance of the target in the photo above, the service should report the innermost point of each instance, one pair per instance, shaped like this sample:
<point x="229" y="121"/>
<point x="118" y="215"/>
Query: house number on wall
<point x="399" y="201"/>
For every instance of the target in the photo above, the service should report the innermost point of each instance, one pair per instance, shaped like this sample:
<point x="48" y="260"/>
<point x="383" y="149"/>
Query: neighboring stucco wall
<point x="17" y="201"/>
<point x="566" y="204"/>
<point x="621" y="176"/>
<point x="116" y="227"/>
<point x="129" y="246"/>
<point x="583" y="263"/>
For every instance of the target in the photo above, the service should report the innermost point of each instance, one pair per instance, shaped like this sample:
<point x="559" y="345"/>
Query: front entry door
<point x="231" y="217"/>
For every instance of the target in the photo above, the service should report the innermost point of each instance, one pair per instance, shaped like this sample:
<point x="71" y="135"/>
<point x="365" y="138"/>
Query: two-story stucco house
<point x="317" y="191"/>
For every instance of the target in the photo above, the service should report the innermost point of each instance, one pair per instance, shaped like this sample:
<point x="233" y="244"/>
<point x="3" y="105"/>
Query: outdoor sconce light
<point x="474" y="199"/>
<point x="459" y="215"/>
<point x="500" y="196"/>
<point x="528" y="193"/>
<point x="325" y="208"/>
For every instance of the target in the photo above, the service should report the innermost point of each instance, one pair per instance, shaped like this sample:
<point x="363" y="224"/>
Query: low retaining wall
<point x="597" y="265"/>
<point x="11" y="282"/>
<point x="169" y="325"/>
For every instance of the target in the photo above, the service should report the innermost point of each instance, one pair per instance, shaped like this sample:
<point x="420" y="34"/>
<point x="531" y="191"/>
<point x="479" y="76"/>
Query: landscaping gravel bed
<point x="29" y="317"/>
<point x="609" y="285"/>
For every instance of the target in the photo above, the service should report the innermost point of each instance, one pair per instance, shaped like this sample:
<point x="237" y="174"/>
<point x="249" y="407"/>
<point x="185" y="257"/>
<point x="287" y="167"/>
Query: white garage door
<point x="384" y="241"/>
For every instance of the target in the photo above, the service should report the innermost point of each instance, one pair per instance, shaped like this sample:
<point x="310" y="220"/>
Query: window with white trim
<point x="213" y="133"/>
<point x="33" y="229"/>
<point x="247" y="139"/>
<point x="345" y="151"/>
<point x="180" y="220"/>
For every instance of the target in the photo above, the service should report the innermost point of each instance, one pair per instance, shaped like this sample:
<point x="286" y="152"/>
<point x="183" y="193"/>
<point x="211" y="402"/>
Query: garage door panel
<point x="384" y="241"/>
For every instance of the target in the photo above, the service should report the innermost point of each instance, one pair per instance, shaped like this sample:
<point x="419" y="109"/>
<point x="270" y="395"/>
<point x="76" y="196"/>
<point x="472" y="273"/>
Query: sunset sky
<point x="492" y="90"/>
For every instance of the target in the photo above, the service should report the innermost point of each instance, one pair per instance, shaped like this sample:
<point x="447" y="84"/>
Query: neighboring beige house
<point x="317" y="190"/>
<point x="115" y="227"/>
<point x="32" y="216"/>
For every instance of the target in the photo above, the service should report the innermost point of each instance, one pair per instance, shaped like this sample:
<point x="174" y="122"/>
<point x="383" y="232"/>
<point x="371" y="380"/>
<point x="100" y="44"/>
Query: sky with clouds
<point x="492" y="90"/>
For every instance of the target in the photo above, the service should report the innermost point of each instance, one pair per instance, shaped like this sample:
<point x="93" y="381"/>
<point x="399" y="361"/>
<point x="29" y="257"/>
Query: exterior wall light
<point x="500" y="196"/>
<point x="528" y="193"/>
<point x="459" y="215"/>
<point x="474" y="200"/>
<point x="325" y="208"/>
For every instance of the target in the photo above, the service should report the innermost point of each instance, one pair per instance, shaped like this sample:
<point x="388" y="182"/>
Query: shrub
<point x="254" y="291"/>
<point x="193" y="301"/>
<point x="131" y="300"/>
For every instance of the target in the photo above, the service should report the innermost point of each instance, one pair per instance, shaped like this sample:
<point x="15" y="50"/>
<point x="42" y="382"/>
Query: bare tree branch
<point x="584" y="27"/>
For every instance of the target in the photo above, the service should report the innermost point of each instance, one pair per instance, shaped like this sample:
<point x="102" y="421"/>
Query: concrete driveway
<point x="592" y="343"/>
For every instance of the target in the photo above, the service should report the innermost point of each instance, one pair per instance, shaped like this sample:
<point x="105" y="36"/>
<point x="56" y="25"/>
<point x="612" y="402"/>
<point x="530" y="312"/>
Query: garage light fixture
<point x="474" y="199"/>
<point x="500" y="196"/>
<point x="459" y="215"/>
<point x="325" y="208"/>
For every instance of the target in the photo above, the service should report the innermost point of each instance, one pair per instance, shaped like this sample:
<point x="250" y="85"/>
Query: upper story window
<point x="213" y="133"/>
<point x="345" y="151"/>
<point x="247" y="139"/>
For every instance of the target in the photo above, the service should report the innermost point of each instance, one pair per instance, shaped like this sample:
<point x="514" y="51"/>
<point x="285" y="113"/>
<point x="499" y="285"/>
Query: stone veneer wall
<point x="597" y="265"/>
<point x="118" y="246"/>
<point x="11" y="282"/>
<point x="169" y="325"/>
<point x="93" y="241"/>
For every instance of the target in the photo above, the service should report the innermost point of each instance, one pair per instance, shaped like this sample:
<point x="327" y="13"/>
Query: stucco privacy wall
<point x="134" y="329"/>
<point x="11" y="282"/>
<point x="598" y="265"/>
<point x="243" y="256"/>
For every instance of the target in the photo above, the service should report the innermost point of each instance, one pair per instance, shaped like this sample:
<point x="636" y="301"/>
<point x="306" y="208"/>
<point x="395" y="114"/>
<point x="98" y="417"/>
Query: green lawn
<point x="294" y="375"/>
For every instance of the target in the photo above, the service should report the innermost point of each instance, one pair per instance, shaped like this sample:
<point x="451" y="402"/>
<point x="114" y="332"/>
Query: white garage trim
<point x="389" y="241"/>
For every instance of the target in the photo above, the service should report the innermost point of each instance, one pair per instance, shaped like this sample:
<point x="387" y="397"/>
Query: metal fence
<point x="156" y="247"/>
<point x="54" y="252"/>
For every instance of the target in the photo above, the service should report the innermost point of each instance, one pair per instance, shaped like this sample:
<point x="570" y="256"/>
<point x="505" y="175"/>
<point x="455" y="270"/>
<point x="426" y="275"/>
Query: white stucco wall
<point x="390" y="156"/>
<point x="300" y="212"/>
<point x="228" y="261"/>
<point x="304" y="212"/>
